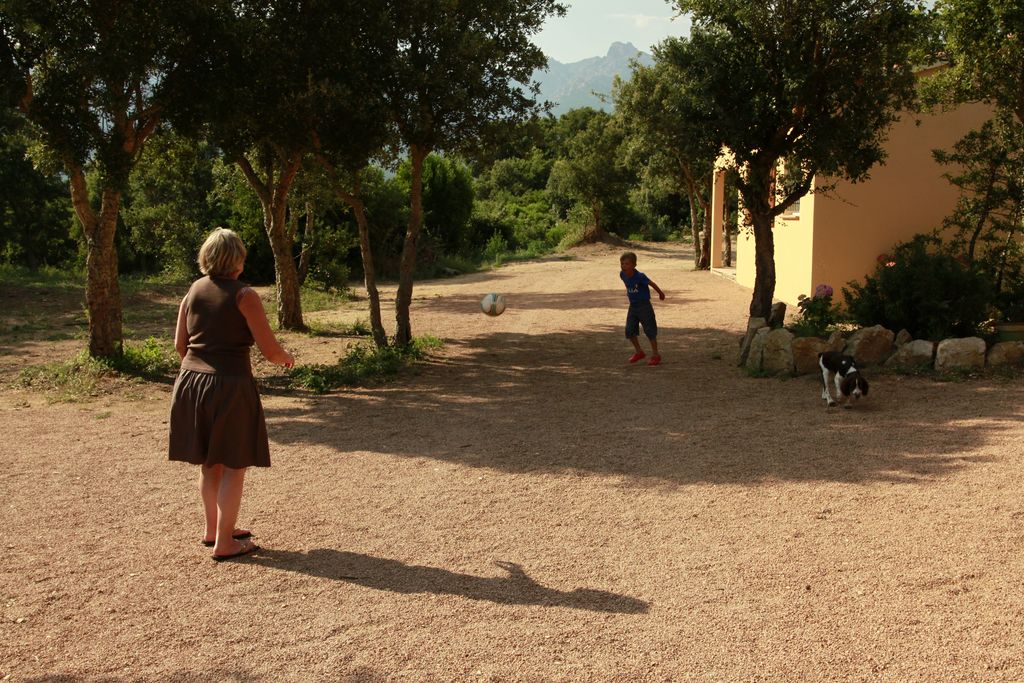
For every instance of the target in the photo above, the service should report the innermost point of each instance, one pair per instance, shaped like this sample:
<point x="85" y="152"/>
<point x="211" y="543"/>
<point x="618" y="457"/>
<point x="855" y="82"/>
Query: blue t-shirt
<point x="637" y="287"/>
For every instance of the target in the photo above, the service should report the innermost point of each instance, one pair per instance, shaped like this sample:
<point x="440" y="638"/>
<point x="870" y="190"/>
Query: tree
<point x="670" y="128"/>
<point x="985" y="54"/>
<point x="35" y="212"/>
<point x="95" y="78"/>
<point x="593" y="169"/>
<point x="458" y="68"/>
<point x="797" y="89"/>
<point x="170" y="201"/>
<point x="985" y="51"/>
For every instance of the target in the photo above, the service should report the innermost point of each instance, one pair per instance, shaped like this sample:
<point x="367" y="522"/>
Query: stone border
<point x="778" y="351"/>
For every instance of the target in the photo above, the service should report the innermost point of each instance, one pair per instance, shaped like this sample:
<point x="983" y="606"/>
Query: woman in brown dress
<point x="216" y="416"/>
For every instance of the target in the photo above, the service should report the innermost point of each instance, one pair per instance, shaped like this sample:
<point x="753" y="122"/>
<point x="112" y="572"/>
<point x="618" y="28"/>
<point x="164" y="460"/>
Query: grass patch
<point x="83" y="376"/>
<point x="357" y="328"/>
<point x="362" y="364"/>
<point x="46" y="277"/>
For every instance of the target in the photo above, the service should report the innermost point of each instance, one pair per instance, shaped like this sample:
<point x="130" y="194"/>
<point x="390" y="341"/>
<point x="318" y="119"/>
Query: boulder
<point x="916" y="353"/>
<point x="777" y="355"/>
<point x="836" y="342"/>
<point x="755" y="354"/>
<point x="805" y="354"/>
<point x="1006" y="353"/>
<point x="753" y="325"/>
<point x="903" y="337"/>
<point x="777" y="317"/>
<point x="870" y="345"/>
<point x="968" y="352"/>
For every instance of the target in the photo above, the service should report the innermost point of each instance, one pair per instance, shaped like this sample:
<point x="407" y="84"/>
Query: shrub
<point x="495" y="247"/>
<point x="924" y="289"/>
<point x="817" y="313"/>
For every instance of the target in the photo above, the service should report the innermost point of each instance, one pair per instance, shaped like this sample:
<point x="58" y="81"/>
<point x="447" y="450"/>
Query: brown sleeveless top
<point x="218" y="335"/>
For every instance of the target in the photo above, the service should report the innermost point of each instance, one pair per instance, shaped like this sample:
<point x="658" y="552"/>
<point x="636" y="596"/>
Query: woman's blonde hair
<point x="222" y="253"/>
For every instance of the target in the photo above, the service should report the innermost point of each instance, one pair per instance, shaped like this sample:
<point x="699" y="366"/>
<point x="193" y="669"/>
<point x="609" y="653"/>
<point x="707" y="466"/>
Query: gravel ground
<point x="527" y="507"/>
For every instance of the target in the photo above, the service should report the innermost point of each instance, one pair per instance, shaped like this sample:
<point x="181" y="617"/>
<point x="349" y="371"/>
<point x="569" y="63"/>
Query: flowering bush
<point x="924" y="288"/>
<point x="817" y="313"/>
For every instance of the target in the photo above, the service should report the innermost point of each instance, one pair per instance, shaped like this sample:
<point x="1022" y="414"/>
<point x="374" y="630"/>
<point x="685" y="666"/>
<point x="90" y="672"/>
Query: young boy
<point x="641" y="312"/>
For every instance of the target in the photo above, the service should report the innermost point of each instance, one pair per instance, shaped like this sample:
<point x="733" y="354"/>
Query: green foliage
<point x="923" y="288"/>
<point x="984" y="49"/>
<point x="986" y="226"/>
<point x="171" y="205"/>
<point x="593" y="170"/>
<point x="35" y="210"/>
<point x="814" y="83"/>
<point x="818" y="315"/>
<point x="447" y="199"/>
<point x="83" y="376"/>
<point x="362" y="364"/>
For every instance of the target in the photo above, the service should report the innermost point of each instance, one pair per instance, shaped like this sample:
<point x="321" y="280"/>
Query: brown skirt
<point x="218" y="420"/>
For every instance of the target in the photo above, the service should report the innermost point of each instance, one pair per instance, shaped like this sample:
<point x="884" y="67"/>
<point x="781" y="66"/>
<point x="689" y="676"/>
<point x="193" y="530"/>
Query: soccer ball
<point x="493" y="304"/>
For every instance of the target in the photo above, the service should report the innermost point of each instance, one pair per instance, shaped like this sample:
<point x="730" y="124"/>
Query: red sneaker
<point x="637" y="356"/>
<point x="654" y="360"/>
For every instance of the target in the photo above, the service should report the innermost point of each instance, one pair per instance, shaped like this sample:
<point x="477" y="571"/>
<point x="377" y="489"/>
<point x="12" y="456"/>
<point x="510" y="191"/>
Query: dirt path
<point x="529" y="508"/>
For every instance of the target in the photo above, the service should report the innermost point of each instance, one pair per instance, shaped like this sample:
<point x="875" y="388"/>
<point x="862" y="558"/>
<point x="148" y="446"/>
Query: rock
<point x="777" y="318"/>
<point x="1006" y="353"/>
<point x="968" y="352"/>
<point x="777" y="357"/>
<point x="870" y="345"/>
<point x="753" y="325"/>
<point x="805" y="354"/>
<point x="912" y="354"/>
<point x="836" y="342"/>
<point x="756" y="351"/>
<point x="903" y="337"/>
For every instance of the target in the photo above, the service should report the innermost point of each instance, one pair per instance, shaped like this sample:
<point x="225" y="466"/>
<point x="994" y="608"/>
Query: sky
<point x="590" y="26"/>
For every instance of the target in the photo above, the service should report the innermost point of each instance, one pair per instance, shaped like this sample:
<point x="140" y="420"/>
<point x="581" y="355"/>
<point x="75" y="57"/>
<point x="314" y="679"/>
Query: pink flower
<point x="823" y="291"/>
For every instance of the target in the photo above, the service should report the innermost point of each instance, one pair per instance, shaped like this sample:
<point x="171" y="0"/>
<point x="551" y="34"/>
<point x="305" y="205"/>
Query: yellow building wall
<point x="908" y="195"/>
<point x="839" y="236"/>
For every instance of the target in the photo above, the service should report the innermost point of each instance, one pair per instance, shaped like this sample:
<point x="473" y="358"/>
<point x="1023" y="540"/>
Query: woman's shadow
<point x="516" y="588"/>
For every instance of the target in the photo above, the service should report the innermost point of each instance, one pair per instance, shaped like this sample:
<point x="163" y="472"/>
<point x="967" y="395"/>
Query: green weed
<point x="83" y="376"/>
<point x="362" y="364"/>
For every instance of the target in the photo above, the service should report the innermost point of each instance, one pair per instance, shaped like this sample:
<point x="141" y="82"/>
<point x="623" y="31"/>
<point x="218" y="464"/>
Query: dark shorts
<point x="641" y="313"/>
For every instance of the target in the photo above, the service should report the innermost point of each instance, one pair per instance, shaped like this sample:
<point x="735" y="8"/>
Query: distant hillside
<point x="568" y="86"/>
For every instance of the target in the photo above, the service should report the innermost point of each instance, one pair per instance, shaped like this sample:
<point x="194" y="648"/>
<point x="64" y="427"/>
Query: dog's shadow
<point x="514" y="588"/>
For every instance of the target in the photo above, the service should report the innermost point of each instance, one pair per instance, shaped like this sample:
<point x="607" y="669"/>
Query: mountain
<point x="568" y="86"/>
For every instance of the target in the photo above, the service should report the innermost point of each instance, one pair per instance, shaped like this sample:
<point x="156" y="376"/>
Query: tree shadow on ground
<point x="568" y="402"/>
<point x="515" y="588"/>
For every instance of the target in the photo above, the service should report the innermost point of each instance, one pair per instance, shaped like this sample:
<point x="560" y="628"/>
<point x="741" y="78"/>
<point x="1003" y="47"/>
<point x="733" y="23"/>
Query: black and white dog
<point x="850" y="384"/>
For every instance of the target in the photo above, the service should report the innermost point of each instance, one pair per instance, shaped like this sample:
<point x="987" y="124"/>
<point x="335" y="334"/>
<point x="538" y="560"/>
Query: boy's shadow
<point x="391" y="575"/>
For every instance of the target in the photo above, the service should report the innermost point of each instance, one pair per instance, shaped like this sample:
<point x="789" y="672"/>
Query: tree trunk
<point x="355" y="201"/>
<point x="308" y="238"/>
<point x="273" y="198"/>
<point x="102" y="290"/>
<point x="596" y="232"/>
<point x="286" y="276"/>
<point x="704" y="262"/>
<point x="369" y="271"/>
<point x="764" y="265"/>
<point x="403" y="299"/>
<point x="694" y="229"/>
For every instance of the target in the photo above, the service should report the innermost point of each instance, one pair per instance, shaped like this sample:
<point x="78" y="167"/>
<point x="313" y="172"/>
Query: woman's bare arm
<point x="181" y="331"/>
<point x="252" y="308"/>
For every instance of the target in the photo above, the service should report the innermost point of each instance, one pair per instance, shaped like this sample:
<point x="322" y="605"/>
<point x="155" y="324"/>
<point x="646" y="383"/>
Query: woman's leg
<point x="229" y="500"/>
<point x="209" y="485"/>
